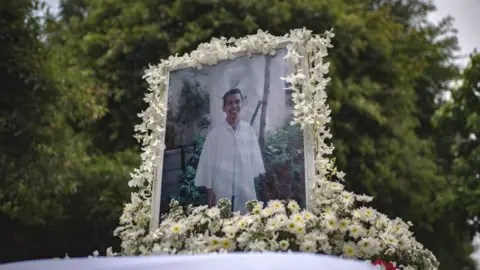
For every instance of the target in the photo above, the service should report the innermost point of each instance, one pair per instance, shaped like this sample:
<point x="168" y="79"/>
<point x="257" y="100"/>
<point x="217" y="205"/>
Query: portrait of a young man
<point x="231" y="157"/>
<point x="229" y="136"/>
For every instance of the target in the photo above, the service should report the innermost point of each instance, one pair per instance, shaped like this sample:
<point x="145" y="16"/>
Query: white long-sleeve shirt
<point x="229" y="162"/>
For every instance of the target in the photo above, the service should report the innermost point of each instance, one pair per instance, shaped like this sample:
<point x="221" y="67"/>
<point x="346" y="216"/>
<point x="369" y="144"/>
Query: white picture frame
<point x="143" y="209"/>
<point x="183" y="64"/>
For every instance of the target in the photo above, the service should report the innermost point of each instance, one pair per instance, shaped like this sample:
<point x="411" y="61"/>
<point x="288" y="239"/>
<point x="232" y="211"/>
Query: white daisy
<point x="350" y="249"/>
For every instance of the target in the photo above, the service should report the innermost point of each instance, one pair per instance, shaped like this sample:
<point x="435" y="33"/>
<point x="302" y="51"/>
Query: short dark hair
<point x="231" y="92"/>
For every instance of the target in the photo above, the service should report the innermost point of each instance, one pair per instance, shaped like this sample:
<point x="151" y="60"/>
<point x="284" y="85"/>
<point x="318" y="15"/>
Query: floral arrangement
<point x="337" y="222"/>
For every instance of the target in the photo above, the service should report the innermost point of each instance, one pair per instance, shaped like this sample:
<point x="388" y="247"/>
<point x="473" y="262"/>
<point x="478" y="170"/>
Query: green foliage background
<point x="71" y="89"/>
<point x="189" y="194"/>
<point x="284" y="165"/>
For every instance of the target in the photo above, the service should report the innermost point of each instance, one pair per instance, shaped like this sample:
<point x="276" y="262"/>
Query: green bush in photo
<point x="284" y="165"/>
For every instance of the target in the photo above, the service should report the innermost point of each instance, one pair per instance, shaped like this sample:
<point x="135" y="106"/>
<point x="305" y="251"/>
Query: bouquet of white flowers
<point x="337" y="223"/>
<point x="338" y="229"/>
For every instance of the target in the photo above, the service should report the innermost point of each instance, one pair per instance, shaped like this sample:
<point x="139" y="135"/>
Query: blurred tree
<point x="460" y="117"/>
<point x="25" y="112"/>
<point x="389" y="66"/>
<point x="57" y="194"/>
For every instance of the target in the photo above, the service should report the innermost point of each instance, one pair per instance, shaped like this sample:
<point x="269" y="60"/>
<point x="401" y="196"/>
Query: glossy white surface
<point x="239" y="261"/>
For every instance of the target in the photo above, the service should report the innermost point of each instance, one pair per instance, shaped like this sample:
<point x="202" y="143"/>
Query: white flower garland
<point x="335" y="225"/>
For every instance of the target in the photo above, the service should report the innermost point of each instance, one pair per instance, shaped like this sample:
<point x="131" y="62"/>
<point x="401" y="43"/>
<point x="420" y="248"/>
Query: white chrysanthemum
<point x="347" y="198"/>
<point x="293" y="206"/>
<point x="204" y="220"/>
<point x="213" y="212"/>
<point x="284" y="245"/>
<point x="308" y="246"/>
<point x="356" y="230"/>
<point x="299" y="230"/>
<point x="227" y="244"/>
<point x="244" y="222"/>
<point x="297" y="218"/>
<point x="282" y="219"/>
<point x="320" y="235"/>
<point x="343" y="224"/>
<point x="368" y="213"/>
<point x="404" y="242"/>
<point x="273" y="224"/>
<point x="335" y="186"/>
<point x="381" y="222"/>
<point x="329" y="214"/>
<point x="194" y="219"/>
<point x="325" y="247"/>
<point x="331" y="224"/>
<point x="267" y="211"/>
<point x="357" y="213"/>
<point x="214" y="242"/>
<point x="214" y="227"/>
<point x="159" y="249"/>
<point x="350" y="249"/>
<point x="369" y="246"/>
<point x="363" y="198"/>
<point x="257" y="209"/>
<point x="389" y="239"/>
<point x="311" y="236"/>
<point x="243" y="239"/>
<point x="277" y="206"/>
<point x="292" y="226"/>
<point x="372" y="231"/>
<point x="257" y="245"/>
<point x="307" y="215"/>
<point x="273" y="245"/>
<point x="399" y="229"/>
<point x="125" y="218"/>
<point x="177" y="228"/>
<point x="229" y="231"/>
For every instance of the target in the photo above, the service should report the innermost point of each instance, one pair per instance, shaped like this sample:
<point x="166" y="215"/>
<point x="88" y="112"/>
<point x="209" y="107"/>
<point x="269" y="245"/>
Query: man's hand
<point x="211" y="198"/>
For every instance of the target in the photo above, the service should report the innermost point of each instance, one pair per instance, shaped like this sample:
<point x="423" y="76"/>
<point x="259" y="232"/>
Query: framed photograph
<point x="229" y="134"/>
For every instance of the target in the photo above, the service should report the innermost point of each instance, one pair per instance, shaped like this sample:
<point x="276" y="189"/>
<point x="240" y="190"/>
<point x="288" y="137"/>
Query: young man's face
<point x="233" y="105"/>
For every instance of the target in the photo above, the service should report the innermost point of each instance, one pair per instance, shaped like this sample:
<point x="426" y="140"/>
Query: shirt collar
<point x="229" y="127"/>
